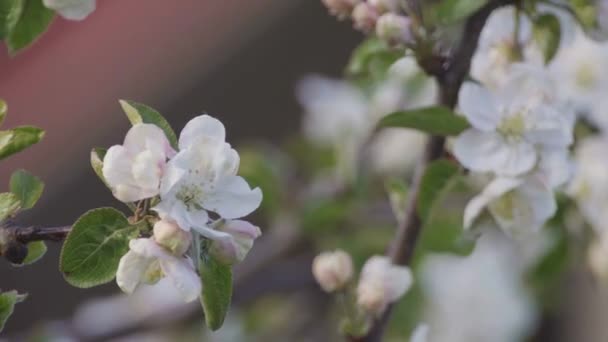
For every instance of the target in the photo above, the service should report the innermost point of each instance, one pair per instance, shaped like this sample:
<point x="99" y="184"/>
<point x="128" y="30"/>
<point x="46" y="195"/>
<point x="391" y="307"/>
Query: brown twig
<point x="450" y="75"/>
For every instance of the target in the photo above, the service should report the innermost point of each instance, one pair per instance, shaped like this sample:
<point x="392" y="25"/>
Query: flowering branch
<point x="450" y="73"/>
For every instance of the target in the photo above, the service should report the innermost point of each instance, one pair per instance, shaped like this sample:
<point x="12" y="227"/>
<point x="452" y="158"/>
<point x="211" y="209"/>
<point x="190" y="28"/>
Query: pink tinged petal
<point x="479" y="106"/>
<point x="182" y="276"/>
<point x="491" y="192"/>
<point x="131" y="271"/>
<point x="201" y="127"/>
<point x="142" y="137"/>
<point x="235" y="249"/>
<point x="232" y="198"/>
<point x="147" y="171"/>
<point x="117" y="173"/>
<point x="484" y="152"/>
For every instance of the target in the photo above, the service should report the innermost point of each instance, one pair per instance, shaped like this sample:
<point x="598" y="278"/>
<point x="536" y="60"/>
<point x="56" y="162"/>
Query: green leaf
<point x="3" y="110"/>
<point x="140" y="113"/>
<point x="397" y="195"/>
<point x="433" y="120"/>
<point x="217" y="291"/>
<point x="10" y="10"/>
<point x="9" y="204"/>
<point x="33" y="21"/>
<point x="372" y="59"/>
<point x="447" y="12"/>
<point x="18" y="139"/>
<point x="26" y="187"/>
<point x="7" y="305"/>
<point x="436" y="179"/>
<point x="97" y="155"/>
<point x="35" y="251"/>
<point x="94" y="246"/>
<point x="547" y="34"/>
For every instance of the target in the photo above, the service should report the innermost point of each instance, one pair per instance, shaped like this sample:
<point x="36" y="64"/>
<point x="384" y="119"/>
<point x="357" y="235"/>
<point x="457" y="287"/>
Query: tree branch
<point x="14" y="239"/>
<point x="454" y="70"/>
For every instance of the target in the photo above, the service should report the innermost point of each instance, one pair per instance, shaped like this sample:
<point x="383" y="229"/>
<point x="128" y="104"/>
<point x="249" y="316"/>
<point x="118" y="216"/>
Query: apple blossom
<point x="72" y="9"/>
<point x="333" y="270"/>
<point x="512" y="126"/>
<point x="395" y="29"/>
<point x="133" y="170"/>
<point x="365" y="17"/>
<point x="170" y="236"/>
<point x="202" y="178"/>
<point x="382" y="283"/>
<point x="486" y="285"/>
<point x="146" y="256"/>
<point x="235" y="248"/>
<point x="384" y="6"/>
<point x="340" y="8"/>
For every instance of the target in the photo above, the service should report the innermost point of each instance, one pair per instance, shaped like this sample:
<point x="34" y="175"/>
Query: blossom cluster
<point x="197" y="195"/>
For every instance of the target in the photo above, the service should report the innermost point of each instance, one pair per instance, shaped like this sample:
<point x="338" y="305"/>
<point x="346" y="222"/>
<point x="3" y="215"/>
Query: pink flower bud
<point x="384" y="6"/>
<point x="333" y="270"/>
<point x="170" y="236"/>
<point x="235" y="248"/>
<point x="381" y="283"/>
<point x="340" y="8"/>
<point x="365" y="17"/>
<point x="395" y="29"/>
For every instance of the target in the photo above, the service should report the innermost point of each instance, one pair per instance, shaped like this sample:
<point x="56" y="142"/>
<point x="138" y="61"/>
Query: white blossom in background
<point x="147" y="261"/>
<point x="580" y="69"/>
<point x="420" y="334"/>
<point x="382" y="283"/>
<point x="477" y="298"/>
<point x="202" y="177"/>
<point x="589" y="188"/>
<point x="72" y="9"/>
<point x="234" y="250"/>
<point x="341" y="8"/>
<point x="133" y="170"/>
<point x="333" y="270"/>
<point x="512" y="126"/>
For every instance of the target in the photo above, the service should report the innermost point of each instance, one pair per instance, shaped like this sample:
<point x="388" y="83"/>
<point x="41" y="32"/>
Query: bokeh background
<point x="236" y="60"/>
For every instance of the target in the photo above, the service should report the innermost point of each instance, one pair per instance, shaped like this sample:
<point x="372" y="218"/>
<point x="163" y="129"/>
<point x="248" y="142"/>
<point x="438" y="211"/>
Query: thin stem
<point x="33" y="233"/>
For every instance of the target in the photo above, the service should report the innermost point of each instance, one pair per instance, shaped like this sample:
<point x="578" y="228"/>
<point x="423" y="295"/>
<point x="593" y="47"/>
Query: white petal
<point x="484" y="152"/>
<point x="143" y="137"/>
<point x="398" y="280"/>
<point x="148" y="248"/>
<point x="116" y="170"/>
<point x="420" y="334"/>
<point x="200" y="127"/>
<point x="131" y="269"/>
<point x="479" y="106"/>
<point x="236" y="248"/>
<point x="491" y="192"/>
<point x="71" y="9"/>
<point x="555" y="167"/>
<point x="233" y="198"/>
<point x="183" y="276"/>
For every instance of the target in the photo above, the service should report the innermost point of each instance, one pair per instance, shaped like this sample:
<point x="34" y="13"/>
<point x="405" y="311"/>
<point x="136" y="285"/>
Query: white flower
<point x="477" y="298"/>
<point x="382" y="283"/>
<point x="202" y="177"/>
<point x="340" y="8"/>
<point x="71" y="9"/>
<point x="333" y="270"/>
<point x="395" y="29"/>
<point x="235" y="249"/>
<point x="145" y="257"/>
<point x="133" y="170"/>
<point x="396" y="149"/>
<point x="420" y="334"/>
<point x="511" y="127"/>
<point x="170" y="236"/>
<point x="589" y="188"/>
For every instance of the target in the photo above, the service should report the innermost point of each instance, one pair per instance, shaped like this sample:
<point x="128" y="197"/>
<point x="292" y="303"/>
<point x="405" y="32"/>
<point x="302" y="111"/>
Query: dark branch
<point x="14" y="239"/>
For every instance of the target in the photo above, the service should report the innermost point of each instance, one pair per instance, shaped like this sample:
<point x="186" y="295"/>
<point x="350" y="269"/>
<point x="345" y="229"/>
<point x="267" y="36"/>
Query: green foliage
<point x="372" y="59"/>
<point x="217" y="291"/>
<point x="7" y="305"/>
<point x="9" y="205"/>
<point x="397" y="195"/>
<point x="18" y="139"/>
<point x="32" y="21"/>
<point x="35" y="251"/>
<point x="97" y="155"/>
<point x="433" y="120"/>
<point x="436" y="180"/>
<point x="94" y="246"/>
<point x="547" y="35"/>
<point x="10" y="11"/>
<point x="263" y="170"/>
<point x="140" y="113"/>
<point x="321" y="216"/>
<point x="586" y="14"/>
<point x="448" y="12"/>
<point x="3" y="110"/>
<point x="27" y="187"/>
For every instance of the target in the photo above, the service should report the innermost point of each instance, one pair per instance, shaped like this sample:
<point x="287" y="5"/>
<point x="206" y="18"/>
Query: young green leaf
<point x="9" y="204"/>
<point x="97" y="155"/>
<point x="372" y="58"/>
<point x="35" y="251"/>
<point x="448" y="12"/>
<point x="33" y="20"/>
<point x="433" y="120"/>
<point x="18" y="139"/>
<point x="94" y="246"/>
<point x="7" y="305"/>
<point x="217" y="291"/>
<point x="26" y="187"/>
<point x="140" y="113"/>
<point x="3" y="110"/>
<point x="10" y="11"/>
<point x="547" y="34"/>
<point x="397" y="195"/>
<point x="436" y="179"/>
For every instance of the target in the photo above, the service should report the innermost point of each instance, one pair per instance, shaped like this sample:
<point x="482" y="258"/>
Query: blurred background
<point x="236" y="60"/>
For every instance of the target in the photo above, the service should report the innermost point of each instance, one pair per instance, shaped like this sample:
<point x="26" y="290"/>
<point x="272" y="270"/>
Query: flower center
<point x="586" y="76"/>
<point x="191" y="196"/>
<point x="512" y="126"/>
